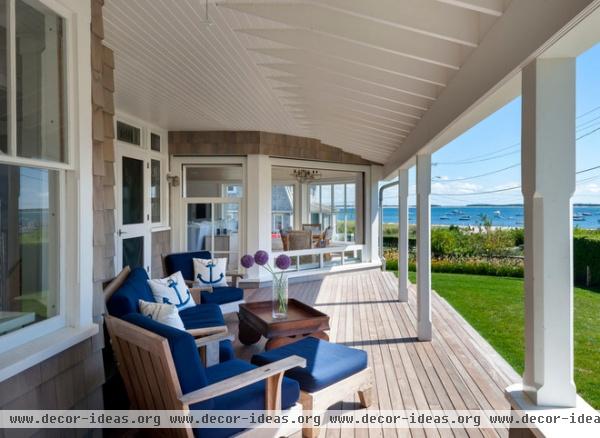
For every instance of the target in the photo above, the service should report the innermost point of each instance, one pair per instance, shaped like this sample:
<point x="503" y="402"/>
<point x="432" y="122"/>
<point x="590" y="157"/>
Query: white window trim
<point x="24" y="348"/>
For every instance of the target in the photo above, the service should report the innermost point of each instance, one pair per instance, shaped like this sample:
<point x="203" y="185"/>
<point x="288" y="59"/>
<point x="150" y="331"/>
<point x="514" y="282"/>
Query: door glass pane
<point x="29" y="246"/>
<point x="213" y="181"/>
<point x="226" y="232"/>
<point x="133" y="252"/>
<point x="199" y="227"/>
<point x="3" y="79"/>
<point x="133" y="191"/>
<point x="41" y="91"/>
<point x="155" y="190"/>
<point x="155" y="142"/>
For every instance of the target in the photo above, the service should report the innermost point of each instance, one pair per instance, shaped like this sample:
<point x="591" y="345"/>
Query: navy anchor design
<point x="210" y="267"/>
<point x="173" y="285"/>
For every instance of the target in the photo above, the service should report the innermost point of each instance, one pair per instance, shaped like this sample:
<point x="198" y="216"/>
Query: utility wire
<point x="477" y="176"/>
<point x="487" y="157"/>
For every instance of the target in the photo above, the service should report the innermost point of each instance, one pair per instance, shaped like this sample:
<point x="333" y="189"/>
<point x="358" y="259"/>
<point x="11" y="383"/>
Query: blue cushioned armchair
<point x="124" y="291"/>
<point x="228" y="298"/>
<point x="172" y="376"/>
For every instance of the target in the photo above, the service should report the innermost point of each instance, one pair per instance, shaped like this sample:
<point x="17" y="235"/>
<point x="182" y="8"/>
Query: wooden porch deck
<point x="457" y="370"/>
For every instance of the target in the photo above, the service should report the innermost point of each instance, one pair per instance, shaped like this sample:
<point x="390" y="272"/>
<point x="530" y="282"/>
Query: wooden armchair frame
<point x="145" y="362"/>
<point x="210" y="336"/>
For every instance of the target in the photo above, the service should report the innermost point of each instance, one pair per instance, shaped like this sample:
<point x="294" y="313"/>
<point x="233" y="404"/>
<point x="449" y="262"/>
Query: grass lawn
<point x="494" y="307"/>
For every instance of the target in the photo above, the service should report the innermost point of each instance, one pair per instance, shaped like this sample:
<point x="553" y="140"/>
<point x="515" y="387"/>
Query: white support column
<point x="258" y="209"/>
<point x="403" y="235"/>
<point x="372" y="242"/>
<point x="548" y="179"/>
<point x="423" y="247"/>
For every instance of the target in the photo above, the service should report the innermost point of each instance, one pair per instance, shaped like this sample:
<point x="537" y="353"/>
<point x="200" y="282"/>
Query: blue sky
<point x="494" y="144"/>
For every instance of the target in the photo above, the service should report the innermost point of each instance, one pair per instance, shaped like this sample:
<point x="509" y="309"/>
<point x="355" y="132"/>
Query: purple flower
<point x="283" y="262"/>
<point x="247" y="261"/>
<point x="261" y="257"/>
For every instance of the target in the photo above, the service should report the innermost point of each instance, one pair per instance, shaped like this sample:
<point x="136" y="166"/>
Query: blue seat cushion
<point x="326" y="363"/>
<point x="202" y="316"/>
<point x="251" y="397"/>
<point x="190" y="371"/>
<point x="222" y="295"/>
<point x="183" y="261"/>
<point x="134" y="288"/>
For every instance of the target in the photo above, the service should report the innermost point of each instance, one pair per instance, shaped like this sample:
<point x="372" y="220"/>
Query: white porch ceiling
<point x="355" y="74"/>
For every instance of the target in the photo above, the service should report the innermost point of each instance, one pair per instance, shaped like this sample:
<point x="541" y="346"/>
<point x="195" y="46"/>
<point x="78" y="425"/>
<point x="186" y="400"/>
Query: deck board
<point x="456" y="370"/>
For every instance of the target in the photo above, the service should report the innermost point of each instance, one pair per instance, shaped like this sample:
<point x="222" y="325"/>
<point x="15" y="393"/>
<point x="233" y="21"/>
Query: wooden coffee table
<point x="256" y="320"/>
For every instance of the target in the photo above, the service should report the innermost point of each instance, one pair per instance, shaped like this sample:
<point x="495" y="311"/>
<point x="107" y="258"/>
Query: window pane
<point x="41" y="91"/>
<point x="325" y="206"/>
<point x="133" y="252"/>
<point x="282" y="207"/>
<point x="3" y="78"/>
<point x="155" y="142"/>
<point x="199" y="227"/>
<point x="29" y="248"/>
<point x="155" y="190"/>
<point x="213" y="181"/>
<point x="133" y="191"/>
<point x="128" y="134"/>
<point x="351" y="212"/>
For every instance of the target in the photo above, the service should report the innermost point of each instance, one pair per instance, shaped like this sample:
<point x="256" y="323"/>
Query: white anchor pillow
<point x="172" y="290"/>
<point x="211" y="272"/>
<point x="163" y="313"/>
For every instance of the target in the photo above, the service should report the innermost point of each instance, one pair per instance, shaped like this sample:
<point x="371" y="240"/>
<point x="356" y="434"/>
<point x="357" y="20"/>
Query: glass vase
<point x="280" y="296"/>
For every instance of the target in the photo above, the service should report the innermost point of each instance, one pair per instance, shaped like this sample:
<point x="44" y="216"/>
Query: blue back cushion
<point x="190" y="371"/>
<point x="134" y="288"/>
<point x="183" y="261"/>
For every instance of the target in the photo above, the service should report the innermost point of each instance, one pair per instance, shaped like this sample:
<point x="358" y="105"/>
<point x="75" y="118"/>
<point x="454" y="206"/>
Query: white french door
<point x="213" y="224"/>
<point x="133" y="208"/>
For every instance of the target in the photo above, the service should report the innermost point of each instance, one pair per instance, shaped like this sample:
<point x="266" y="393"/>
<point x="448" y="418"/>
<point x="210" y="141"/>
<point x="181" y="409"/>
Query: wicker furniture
<point x="299" y="240"/>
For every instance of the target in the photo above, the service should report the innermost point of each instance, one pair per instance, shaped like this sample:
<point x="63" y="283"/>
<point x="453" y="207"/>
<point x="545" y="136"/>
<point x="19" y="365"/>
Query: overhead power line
<point x="480" y="175"/>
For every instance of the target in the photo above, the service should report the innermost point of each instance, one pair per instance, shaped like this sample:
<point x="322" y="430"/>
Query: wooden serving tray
<point x="301" y="319"/>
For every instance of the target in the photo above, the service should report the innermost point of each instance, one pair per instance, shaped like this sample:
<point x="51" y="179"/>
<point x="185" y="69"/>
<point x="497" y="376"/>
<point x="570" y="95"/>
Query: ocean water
<point x="502" y="216"/>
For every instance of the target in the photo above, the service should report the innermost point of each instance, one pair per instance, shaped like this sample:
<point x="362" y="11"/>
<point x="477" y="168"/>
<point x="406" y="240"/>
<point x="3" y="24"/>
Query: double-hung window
<point x="37" y="170"/>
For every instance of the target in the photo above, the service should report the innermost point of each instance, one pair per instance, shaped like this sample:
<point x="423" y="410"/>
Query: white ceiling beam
<point x="355" y="98"/>
<point x="345" y="136"/>
<point x="489" y="7"/>
<point x="511" y="43"/>
<point x="335" y="107"/>
<point x="428" y="17"/>
<point x="359" y="86"/>
<point x="327" y="125"/>
<point x="328" y="66"/>
<point x="359" y="125"/>
<point x="304" y="40"/>
<point x="369" y="145"/>
<point x="362" y="31"/>
<point x="376" y="113"/>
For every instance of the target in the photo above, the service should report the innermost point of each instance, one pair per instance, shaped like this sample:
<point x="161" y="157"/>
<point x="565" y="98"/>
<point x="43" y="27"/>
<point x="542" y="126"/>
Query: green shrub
<point x="496" y="266"/>
<point x="586" y="253"/>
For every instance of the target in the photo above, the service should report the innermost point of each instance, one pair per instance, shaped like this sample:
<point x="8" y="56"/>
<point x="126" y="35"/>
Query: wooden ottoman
<point x="332" y="372"/>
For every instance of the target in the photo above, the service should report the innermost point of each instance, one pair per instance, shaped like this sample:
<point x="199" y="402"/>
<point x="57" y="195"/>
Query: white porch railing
<point x="324" y="258"/>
